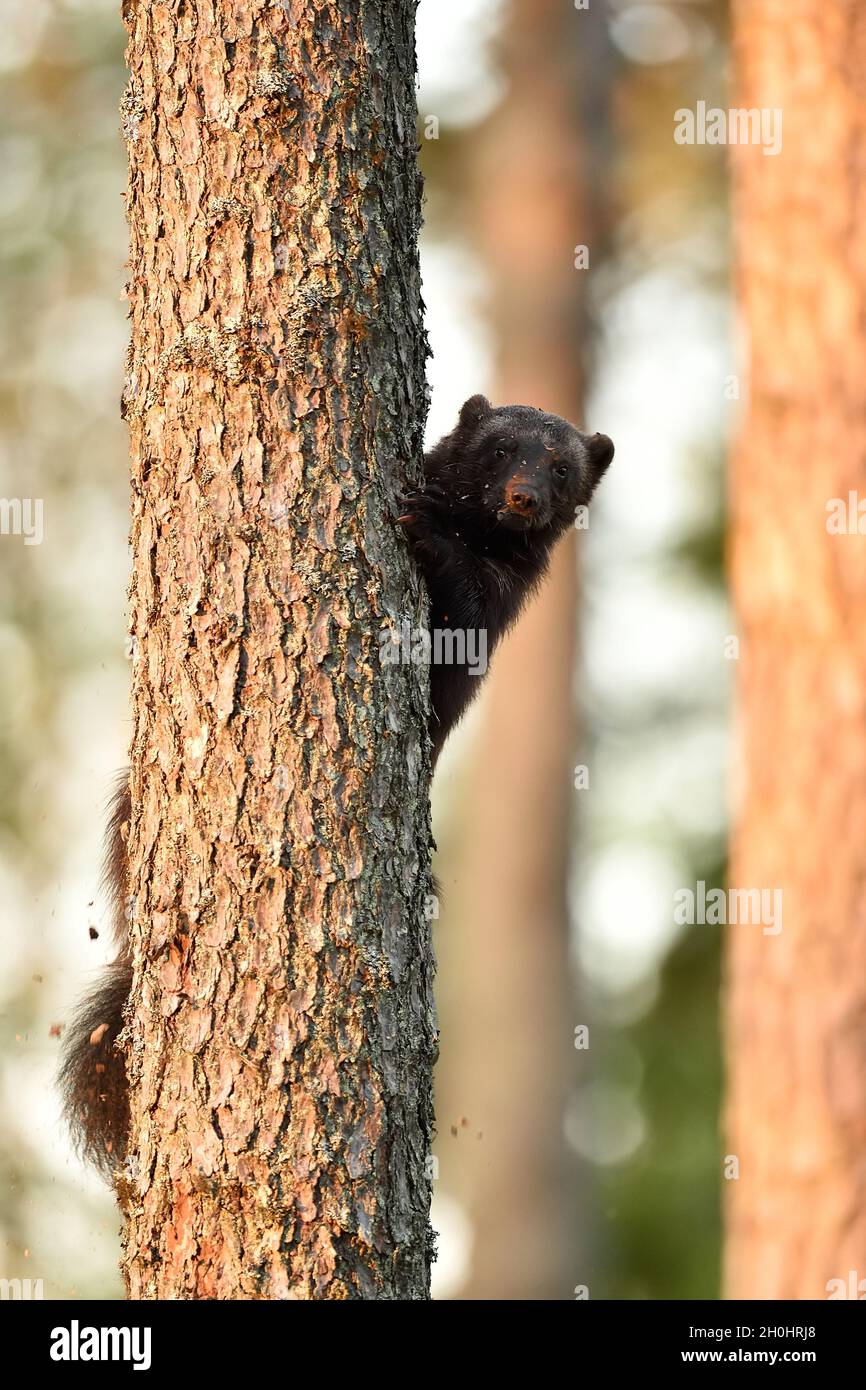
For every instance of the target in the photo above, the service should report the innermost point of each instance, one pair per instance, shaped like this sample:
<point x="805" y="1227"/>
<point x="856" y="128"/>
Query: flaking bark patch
<point x="282" y="1032"/>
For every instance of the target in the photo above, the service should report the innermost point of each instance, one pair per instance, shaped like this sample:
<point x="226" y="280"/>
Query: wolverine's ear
<point x="600" y="453"/>
<point x="474" y="410"/>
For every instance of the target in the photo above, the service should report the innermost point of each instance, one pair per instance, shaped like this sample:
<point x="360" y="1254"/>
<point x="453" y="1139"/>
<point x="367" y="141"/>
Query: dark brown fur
<point x="93" y="1075"/>
<point x="498" y="493"/>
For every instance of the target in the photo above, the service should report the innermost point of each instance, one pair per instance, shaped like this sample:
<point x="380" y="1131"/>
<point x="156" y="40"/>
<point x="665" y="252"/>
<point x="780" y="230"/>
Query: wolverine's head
<point x="525" y="469"/>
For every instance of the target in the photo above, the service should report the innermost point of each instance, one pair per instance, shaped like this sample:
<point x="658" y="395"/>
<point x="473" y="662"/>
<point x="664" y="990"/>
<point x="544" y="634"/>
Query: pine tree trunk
<point x="797" y="1006"/>
<point x="282" y="1029"/>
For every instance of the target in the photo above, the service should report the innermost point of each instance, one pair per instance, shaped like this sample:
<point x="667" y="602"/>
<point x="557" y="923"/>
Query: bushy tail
<point x="93" y="1075"/>
<point x="93" y="1072"/>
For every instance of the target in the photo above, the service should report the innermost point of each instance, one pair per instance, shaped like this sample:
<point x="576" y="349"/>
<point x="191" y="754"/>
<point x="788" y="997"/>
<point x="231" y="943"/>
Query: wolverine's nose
<point x="522" y="497"/>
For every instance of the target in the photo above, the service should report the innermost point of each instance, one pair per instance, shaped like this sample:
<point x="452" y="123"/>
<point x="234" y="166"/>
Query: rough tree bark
<point x="282" y="1033"/>
<point x="797" y="1006"/>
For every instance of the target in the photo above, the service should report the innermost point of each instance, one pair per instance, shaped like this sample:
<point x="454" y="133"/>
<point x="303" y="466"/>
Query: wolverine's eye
<point x="499" y="453"/>
<point x="561" y="470"/>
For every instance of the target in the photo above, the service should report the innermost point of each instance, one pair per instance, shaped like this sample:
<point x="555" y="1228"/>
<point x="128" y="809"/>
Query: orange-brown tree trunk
<point x="282" y="1029"/>
<point x="797" y="999"/>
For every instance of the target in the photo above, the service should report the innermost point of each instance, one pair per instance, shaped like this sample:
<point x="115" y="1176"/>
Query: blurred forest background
<point x="543" y="129"/>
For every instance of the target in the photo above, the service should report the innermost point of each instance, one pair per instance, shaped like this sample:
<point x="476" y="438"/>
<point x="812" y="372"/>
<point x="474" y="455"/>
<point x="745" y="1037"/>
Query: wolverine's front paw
<point x="423" y="510"/>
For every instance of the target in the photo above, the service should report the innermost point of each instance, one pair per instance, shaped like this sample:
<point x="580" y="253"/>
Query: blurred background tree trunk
<point x="796" y="1217"/>
<point x="511" y="1007"/>
<point x="282" y="1029"/>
